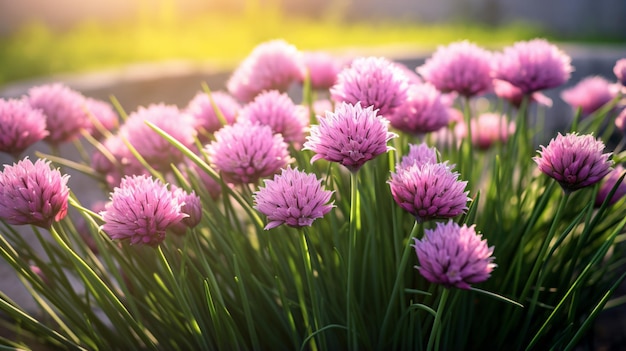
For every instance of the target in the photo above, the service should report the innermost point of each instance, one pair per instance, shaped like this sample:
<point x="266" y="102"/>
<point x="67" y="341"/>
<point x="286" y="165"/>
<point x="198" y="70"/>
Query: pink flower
<point x="191" y="206"/>
<point x="610" y="180"/>
<point x="454" y="256"/>
<point x="590" y="94"/>
<point x="575" y="161"/>
<point x="123" y="162"/>
<point x="351" y="136"/>
<point x="64" y="109"/>
<point x="141" y="210"/>
<point x="278" y="111"/>
<point x="206" y="119"/>
<point x="20" y="126"/>
<point x="33" y="194"/>
<point x="487" y="129"/>
<point x="514" y="95"/>
<point x="294" y="198"/>
<point x="620" y="121"/>
<point x="157" y="151"/>
<point x="532" y="66"/>
<point x="620" y="71"/>
<point x="429" y="191"/>
<point x="245" y="152"/>
<point x="323" y="69"/>
<point x="271" y="65"/>
<point x="104" y="116"/>
<point x="423" y="112"/>
<point x="460" y="67"/>
<point x="372" y="81"/>
<point x="418" y="155"/>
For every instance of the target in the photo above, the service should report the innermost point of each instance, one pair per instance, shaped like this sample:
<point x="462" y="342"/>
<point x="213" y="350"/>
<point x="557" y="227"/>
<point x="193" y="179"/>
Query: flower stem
<point x="355" y="226"/>
<point x="435" y="333"/>
<point x="399" y="274"/>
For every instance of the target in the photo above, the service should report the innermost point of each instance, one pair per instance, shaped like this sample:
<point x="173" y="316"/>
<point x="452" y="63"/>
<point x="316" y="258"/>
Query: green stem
<point x="355" y="226"/>
<point x="399" y="274"/>
<point x="435" y="333"/>
<point x="540" y="263"/>
<point x="468" y="144"/>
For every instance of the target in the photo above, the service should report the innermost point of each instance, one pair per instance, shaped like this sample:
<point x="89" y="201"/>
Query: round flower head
<point x="294" y="198"/>
<point x="487" y="129"/>
<point x="245" y="152"/>
<point x="418" y="155"/>
<point x="372" y="81"/>
<point x="609" y="182"/>
<point x="514" y="95"/>
<point x="620" y="71"/>
<point x="278" y="111"/>
<point x="20" y="126"/>
<point x="423" y="112"/>
<point x="100" y="116"/>
<point x="323" y="69"/>
<point x="271" y="65"/>
<point x="191" y="206"/>
<point x="121" y="162"/>
<point x="157" y="151"/>
<point x="33" y="194"/>
<point x="590" y="94"/>
<point x="454" y="256"/>
<point x="202" y="110"/>
<point x="64" y="109"/>
<point x="575" y="161"/>
<point x="532" y="66"/>
<point x="351" y="136"/>
<point x="460" y="67"/>
<point x="141" y="210"/>
<point x="620" y="121"/>
<point x="429" y="191"/>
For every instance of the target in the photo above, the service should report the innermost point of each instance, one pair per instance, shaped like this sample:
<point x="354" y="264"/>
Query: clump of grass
<point x="223" y="38"/>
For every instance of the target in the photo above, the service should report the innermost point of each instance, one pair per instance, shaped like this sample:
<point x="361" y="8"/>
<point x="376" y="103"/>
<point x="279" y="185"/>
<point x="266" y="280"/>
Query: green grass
<point x="220" y="38"/>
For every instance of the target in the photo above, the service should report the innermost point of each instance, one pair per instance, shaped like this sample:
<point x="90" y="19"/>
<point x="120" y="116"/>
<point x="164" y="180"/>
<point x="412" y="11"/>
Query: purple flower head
<point x="610" y="180"/>
<point x="246" y="152"/>
<point x="294" y="198"/>
<point x="620" y="121"/>
<point x="620" y="71"/>
<point x="429" y="191"/>
<point x="460" y="67"/>
<point x="418" y="155"/>
<point x="323" y="69"/>
<point x="454" y="256"/>
<point x="424" y="111"/>
<point x="206" y="120"/>
<point x="532" y="66"/>
<point x="590" y="94"/>
<point x="104" y="116"/>
<point x="275" y="64"/>
<point x="487" y="129"/>
<point x="141" y="210"/>
<point x="33" y="194"/>
<point x="278" y="111"/>
<point x="575" y="161"/>
<point x="514" y="95"/>
<point x="351" y="136"/>
<point x="64" y="109"/>
<point x="123" y="162"/>
<point x="372" y="81"/>
<point x="212" y="186"/>
<point x="157" y="151"/>
<point x="20" y="126"/>
<point x="191" y="206"/>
